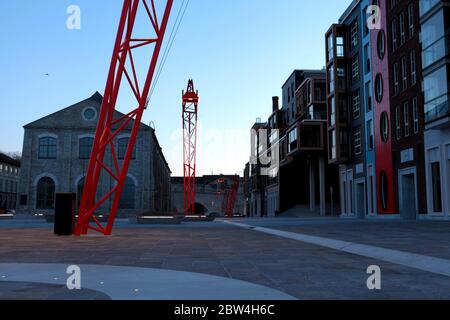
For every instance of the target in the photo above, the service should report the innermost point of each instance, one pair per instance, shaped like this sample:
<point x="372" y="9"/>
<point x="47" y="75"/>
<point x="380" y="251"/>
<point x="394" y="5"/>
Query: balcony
<point x="312" y="136"/>
<point x="437" y="114"/>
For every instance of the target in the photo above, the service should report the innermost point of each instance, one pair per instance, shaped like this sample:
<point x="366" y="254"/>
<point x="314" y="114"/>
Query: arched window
<point x="47" y="148"/>
<point x="127" y="201"/>
<point x="80" y="187"/>
<point x="85" y="147"/>
<point x="45" y="195"/>
<point x="122" y="146"/>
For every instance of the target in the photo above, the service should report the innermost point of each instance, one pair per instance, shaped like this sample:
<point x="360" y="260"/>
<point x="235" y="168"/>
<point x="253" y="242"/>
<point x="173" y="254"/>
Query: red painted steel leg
<point x="108" y="127"/>
<point x="190" y="112"/>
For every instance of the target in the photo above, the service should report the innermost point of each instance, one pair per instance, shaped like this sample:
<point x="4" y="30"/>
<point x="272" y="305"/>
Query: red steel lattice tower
<point x="109" y="126"/>
<point x="190" y="112"/>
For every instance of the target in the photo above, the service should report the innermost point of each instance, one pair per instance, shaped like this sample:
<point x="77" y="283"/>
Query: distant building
<point x="55" y="158"/>
<point x="9" y="180"/>
<point x="209" y="193"/>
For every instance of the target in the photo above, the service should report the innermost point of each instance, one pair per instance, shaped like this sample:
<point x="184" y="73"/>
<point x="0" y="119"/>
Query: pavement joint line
<point x="417" y="261"/>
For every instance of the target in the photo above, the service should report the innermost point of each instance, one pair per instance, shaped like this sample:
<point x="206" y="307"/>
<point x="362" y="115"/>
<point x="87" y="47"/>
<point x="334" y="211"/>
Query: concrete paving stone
<point x="303" y="270"/>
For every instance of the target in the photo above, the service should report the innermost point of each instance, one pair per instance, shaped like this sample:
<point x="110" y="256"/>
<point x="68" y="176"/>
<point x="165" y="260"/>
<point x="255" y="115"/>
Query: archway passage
<point x="45" y="194"/>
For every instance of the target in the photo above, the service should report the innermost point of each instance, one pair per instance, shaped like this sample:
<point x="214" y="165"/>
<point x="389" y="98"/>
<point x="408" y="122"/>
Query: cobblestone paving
<point x="301" y="270"/>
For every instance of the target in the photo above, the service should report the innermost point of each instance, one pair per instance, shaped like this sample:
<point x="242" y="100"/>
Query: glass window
<point x="370" y="135"/>
<point x="332" y="112"/>
<point x="340" y="47"/>
<point x="402" y="29"/>
<point x="435" y="92"/>
<point x="379" y="88"/>
<point x="292" y="139"/>
<point x="426" y="5"/>
<point x="396" y="79"/>
<point x="45" y="195"/>
<point x="355" y="69"/>
<point x="413" y="66"/>
<point x="47" y="148"/>
<point x="398" y="128"/>
<point x="356" y="105"/>
<point x="127" y="200"/>
<point x="381" y="44"/>
<point x="415" y="115"/>
<point x="333" y="152"/>
<point x="122" y="146"/>
<point x="357" y="141"/>
<point x="85" y="147"/>
<point x="433" y="41"/>
<point x="394" y="34"/>
<point x="369" y="96"/>
<point x="330" y="47"/>
<point x="406" y="118"/>
<point x="384" y="127"/>
<point x="404" y="74"/>
<point x="354" y="34"/>
<point x="411" y="28"/>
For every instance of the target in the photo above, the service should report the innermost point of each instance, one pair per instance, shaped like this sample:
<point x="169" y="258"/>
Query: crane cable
<point x="173" y="34"/>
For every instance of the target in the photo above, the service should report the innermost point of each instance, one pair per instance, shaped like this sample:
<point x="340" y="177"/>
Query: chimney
<point x="275" y="104"/>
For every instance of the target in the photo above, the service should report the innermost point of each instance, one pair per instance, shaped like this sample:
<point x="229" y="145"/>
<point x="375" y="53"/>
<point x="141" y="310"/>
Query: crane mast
<point x="109" y="126"/>
<point x="190" y="113"/>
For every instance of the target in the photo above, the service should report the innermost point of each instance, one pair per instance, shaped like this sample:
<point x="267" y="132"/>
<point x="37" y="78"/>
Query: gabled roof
<point x="95" y="101"/>
<point x="8" y="160"/>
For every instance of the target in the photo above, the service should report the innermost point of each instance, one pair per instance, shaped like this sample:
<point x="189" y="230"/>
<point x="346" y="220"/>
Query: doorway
<point x="360" y="199"/>
<point x="408" y="194"/>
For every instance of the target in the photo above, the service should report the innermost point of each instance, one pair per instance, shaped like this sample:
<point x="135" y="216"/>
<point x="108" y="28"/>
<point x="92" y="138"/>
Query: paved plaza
<point x="220" y="260"/>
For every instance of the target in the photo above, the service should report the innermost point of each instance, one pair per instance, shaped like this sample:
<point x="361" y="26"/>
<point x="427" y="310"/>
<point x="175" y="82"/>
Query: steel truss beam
<point x="190" y="112"/>
<point x="109" y="128"/>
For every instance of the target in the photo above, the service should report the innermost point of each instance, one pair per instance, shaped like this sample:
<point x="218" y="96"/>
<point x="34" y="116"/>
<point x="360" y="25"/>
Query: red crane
<point x="229" y="194"/>
<point x="190" y="112"/>
<point x="109" y="126"/>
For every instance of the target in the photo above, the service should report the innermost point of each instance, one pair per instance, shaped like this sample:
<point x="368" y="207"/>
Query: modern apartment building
<point x="304" y="147"/>
<point x="346" y="67"/>
<point x="406" y="107"/>
<point x="435" y="38"/>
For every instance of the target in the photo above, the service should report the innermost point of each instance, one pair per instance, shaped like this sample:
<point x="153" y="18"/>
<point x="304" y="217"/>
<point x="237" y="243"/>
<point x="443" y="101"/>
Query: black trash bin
<point x="65" y="213"/>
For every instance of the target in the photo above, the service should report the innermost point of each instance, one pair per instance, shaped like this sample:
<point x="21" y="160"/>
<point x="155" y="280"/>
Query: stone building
<point x="56" y="152"/>
<point x="9" y="180"/>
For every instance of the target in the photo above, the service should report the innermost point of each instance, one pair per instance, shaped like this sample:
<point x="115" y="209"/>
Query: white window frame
<point x="406" y="127"/>
<point x="404" y="73"/>
<point x="357" y="140"/>
<point x="413" y="66"/>
<point x="398" y="126"/>
<point x="415" y="115"/>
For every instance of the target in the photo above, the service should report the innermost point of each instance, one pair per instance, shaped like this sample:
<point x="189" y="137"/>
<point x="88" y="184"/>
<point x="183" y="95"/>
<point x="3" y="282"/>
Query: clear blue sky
<point x="239" y="53"/>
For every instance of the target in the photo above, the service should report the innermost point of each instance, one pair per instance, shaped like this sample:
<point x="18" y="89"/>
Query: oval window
<point x="379" y="87"/>
<point x="384" y="190"/>
<point x="381" y="44"/>
<point x="384" y="127"/>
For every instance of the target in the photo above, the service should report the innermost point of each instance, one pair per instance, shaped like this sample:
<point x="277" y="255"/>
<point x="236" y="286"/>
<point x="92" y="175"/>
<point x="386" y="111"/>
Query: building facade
<point x="406" y="108"/>
<point x="56" y="154"/>
<point x="435" y="37"/>
<point x="9" y="181"/>
<point x="347" y="64"/>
